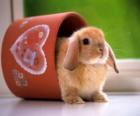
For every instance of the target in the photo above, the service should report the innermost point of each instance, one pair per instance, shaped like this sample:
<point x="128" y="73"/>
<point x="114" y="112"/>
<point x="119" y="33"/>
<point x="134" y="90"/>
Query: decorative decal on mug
<point x="28" y="49"/>
<point x="19" y="78"/>
<point x="25" y="22"/>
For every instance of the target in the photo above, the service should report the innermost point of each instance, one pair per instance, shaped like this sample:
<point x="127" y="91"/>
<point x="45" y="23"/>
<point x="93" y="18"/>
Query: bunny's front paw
<point x="99" y="97"/>
<point x="73" y="100"/>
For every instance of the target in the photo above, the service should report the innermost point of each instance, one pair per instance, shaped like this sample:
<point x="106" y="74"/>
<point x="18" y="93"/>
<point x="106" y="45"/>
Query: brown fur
<point x="86" y="80"/>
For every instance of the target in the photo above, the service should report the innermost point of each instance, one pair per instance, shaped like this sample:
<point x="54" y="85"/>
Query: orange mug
<point x="28" y="54"/>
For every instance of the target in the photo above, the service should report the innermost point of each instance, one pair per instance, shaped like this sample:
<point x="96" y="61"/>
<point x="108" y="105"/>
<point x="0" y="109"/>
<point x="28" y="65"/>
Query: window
<point x="118" y="18"/>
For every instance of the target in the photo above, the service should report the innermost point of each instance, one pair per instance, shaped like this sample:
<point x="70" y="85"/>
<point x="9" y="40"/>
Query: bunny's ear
<point x="111" y="59"/>
<point x="72" y="54"/>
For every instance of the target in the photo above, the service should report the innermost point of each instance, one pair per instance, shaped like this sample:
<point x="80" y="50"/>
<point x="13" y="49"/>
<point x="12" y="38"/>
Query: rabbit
<point x="82" y="61"/>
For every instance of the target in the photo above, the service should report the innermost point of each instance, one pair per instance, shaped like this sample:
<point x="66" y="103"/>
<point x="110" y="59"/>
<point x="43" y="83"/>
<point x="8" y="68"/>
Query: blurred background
<point x="119" y="19"/>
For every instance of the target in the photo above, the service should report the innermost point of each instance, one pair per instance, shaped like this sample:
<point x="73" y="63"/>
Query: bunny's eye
<point x="86" y="41"/>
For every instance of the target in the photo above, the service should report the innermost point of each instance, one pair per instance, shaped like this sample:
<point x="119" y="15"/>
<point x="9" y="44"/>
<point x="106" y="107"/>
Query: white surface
<point x="119" y="105"/>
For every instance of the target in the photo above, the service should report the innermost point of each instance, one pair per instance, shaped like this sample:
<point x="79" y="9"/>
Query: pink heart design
<point x="27" y="49"/>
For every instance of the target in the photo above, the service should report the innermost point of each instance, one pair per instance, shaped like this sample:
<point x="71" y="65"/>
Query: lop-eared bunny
<point x="82" y="61"/>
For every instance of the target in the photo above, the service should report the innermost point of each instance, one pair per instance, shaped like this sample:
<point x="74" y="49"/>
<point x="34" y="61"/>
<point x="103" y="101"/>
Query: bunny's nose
<point x="101" y="50"/>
